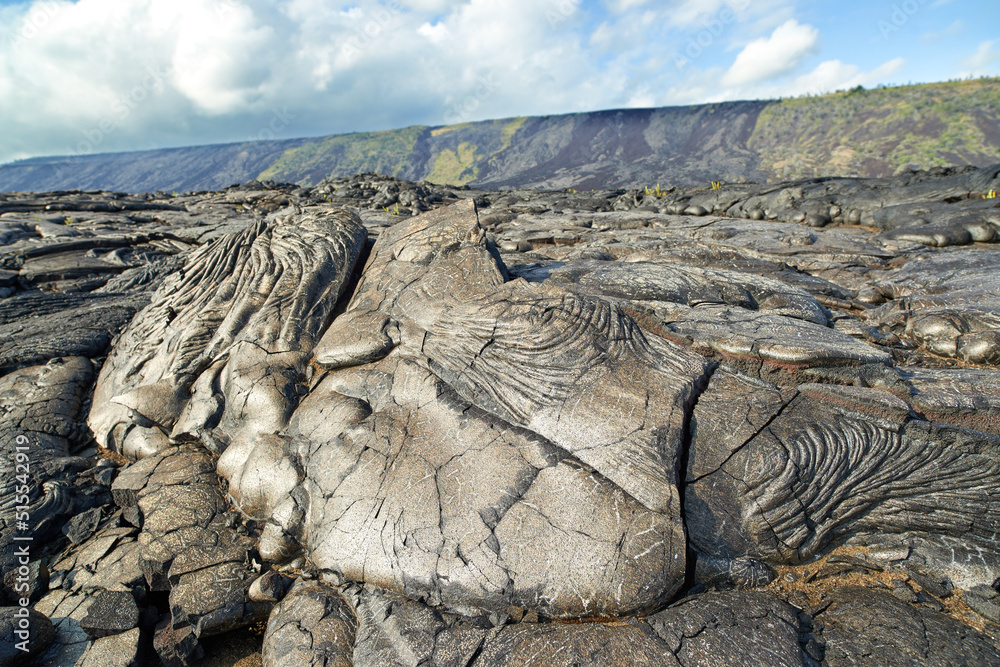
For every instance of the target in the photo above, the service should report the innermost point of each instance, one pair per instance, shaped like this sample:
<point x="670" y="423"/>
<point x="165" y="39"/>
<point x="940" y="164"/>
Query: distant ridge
<point x="858" y="132"/>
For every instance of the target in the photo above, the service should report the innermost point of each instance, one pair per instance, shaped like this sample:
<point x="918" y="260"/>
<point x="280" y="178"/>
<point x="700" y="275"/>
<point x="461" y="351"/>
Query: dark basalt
<point x="519" y="428"/>
<point x="312" y="626"/>
<point x="111" y="613"/>
<point x="863" y="627"/>
<point x="13" y="649"/>
<point x="807" y="465"/>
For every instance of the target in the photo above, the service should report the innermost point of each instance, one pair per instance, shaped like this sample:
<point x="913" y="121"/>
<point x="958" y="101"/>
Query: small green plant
<point x="69" y="221"/>
<point x="992" y="194"/>
<point x="655" y="191"/>
<point x="716" y="185"/>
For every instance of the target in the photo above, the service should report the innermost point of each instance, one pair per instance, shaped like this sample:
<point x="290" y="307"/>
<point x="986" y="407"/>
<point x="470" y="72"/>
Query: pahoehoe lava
<point x="756" y="424"/>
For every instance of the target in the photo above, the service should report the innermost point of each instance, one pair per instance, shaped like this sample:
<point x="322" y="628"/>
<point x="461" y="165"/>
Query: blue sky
<point x="107" y="75"/>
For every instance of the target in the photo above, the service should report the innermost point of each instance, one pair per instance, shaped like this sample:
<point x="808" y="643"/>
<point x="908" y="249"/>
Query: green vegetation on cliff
<point x="387" y="152"/>
<point x="455" y="167"/>
<point x="854" y="133"/>
<point x="878" y="132"/>
<point x="859" y="132"/>
<point x="461" y="153"/>
<point x="509" y="130"/>
<point x="450" y="155"/>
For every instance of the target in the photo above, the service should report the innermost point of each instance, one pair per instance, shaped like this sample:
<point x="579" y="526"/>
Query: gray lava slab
<point x="948" y="303"/>
<point x="313" y="625"/>
<point x="491" y="433"/>
<point x="803" y="468"/>
<point x="40" y="421"/>
<point x="245" y="311"/>
<point x="864" y="627"/>
<point x="178" y="497"/>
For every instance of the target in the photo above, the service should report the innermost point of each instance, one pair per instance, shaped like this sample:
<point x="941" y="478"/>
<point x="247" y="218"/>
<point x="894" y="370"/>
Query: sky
<point x="95" y="76"/>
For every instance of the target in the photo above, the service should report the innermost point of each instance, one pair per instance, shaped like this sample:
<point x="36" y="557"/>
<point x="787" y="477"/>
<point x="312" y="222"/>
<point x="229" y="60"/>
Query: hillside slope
<point x="170" y="169"/>
<point x="586" y="150"/>
<point x="878" y="132"/>
<point x="855" y="133"/>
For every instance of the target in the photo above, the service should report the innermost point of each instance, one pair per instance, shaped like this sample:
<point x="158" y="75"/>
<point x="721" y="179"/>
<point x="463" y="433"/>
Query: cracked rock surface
<point x="749" y="425"/>
<point x="312" y="626"/>
<point x="862" y="626"/>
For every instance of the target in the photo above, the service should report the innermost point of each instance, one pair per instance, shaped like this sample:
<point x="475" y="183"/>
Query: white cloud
<point x="692" y="12"/>
<point x="956" y="27"/>
<point x="210" y="64"/>
<point x="832" y="75"/>
<point x="983" y="60"/>
<point x="773" y="56"/>
<point x="827" y="77"/>
<point x="101" y="75"/>
<point x="433" y="6"/>
<point x="604" y="36"/>
<point x="625" y="5"/>
<point x="105" y="75"/>
<point x="436" y="33"/>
